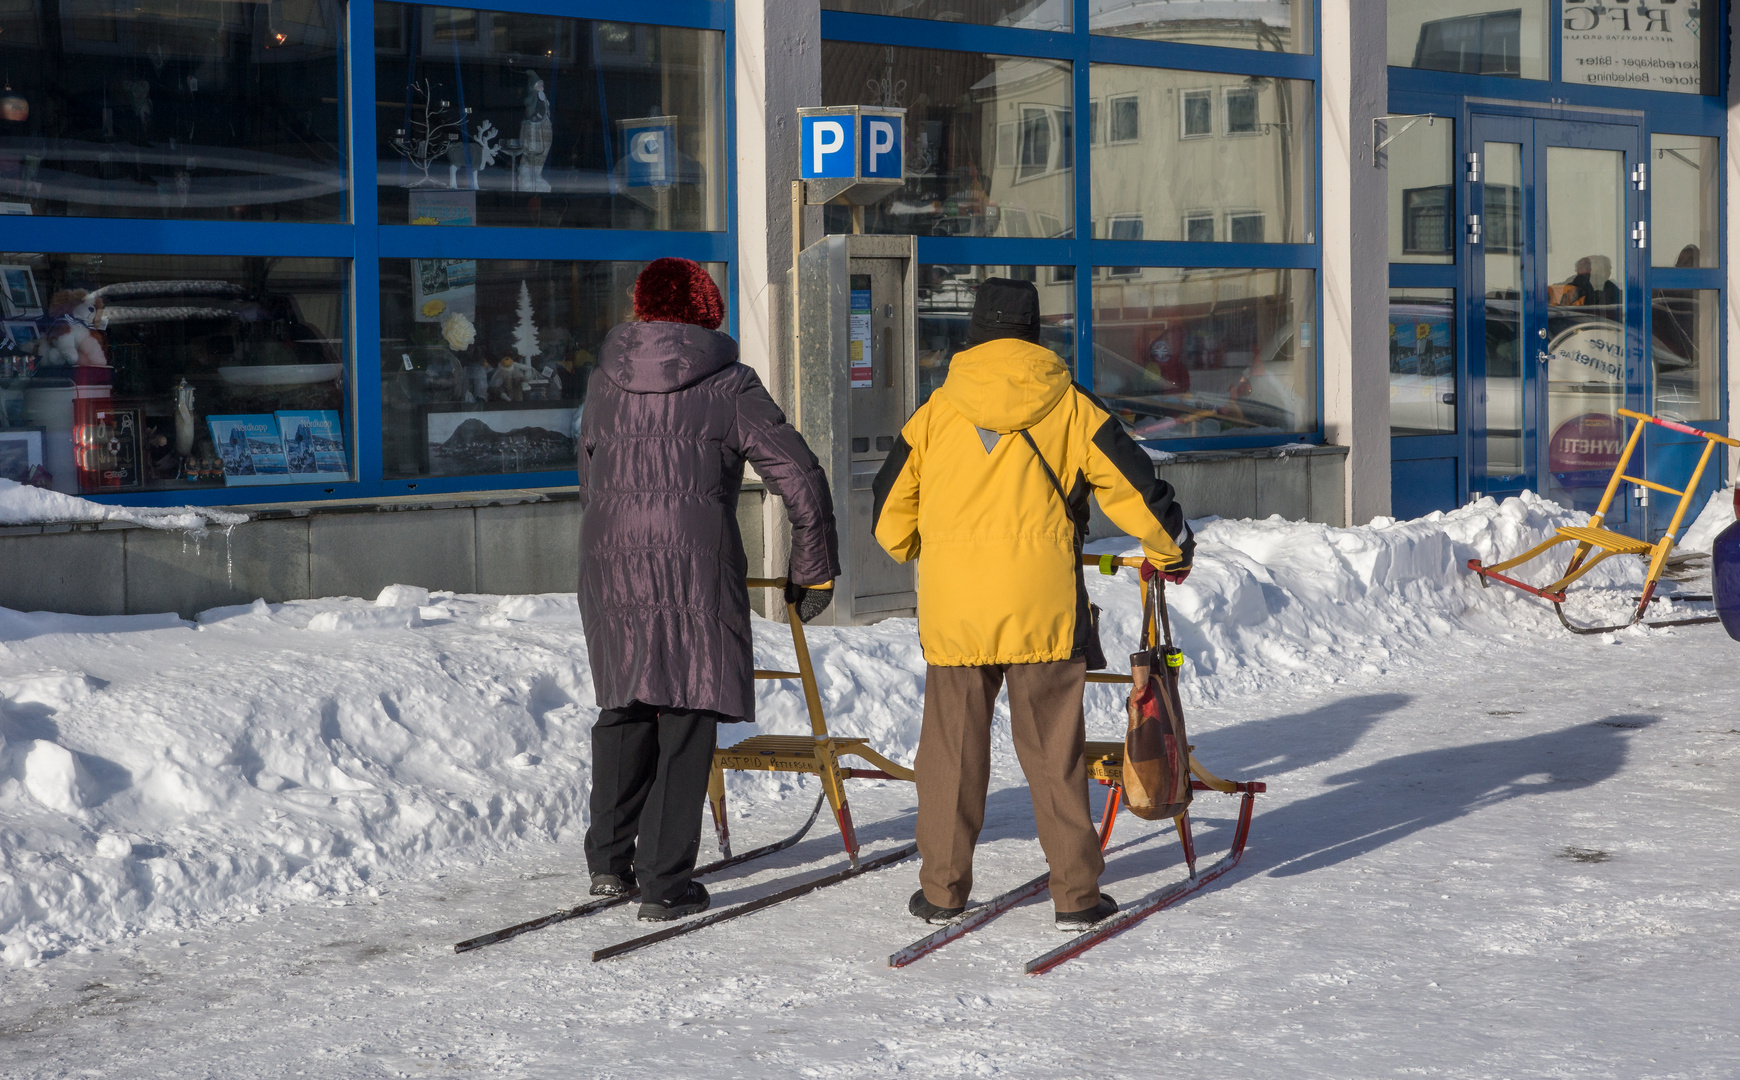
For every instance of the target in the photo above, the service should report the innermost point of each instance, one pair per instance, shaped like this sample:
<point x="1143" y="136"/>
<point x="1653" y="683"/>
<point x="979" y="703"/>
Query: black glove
<point x="811" y="600"/>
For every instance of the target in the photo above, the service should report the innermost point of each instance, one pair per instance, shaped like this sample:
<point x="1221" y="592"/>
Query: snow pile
<point x="1718" y="514"/>
<point x="155" y="771"/>
<point x="21" y="504"/>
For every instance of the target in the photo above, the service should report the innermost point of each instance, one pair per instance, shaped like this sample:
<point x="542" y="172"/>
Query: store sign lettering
<point x="1652" y="47"/>
<point x="1590" y="442"/>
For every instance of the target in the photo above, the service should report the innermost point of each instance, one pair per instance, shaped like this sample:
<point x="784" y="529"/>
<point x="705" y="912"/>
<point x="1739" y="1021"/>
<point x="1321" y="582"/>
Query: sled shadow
<point x="1264" y="749"/>
<point x="1391" y="800"/>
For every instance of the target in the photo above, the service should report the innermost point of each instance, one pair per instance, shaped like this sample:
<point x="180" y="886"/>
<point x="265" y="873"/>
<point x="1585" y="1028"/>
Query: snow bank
<point x="21" y="504"/>
<point x="1718" y="515"/>
<point x="155" y="771"/>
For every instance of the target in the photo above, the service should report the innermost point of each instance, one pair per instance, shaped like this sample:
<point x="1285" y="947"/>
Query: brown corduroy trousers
<point x="954" y="773"/>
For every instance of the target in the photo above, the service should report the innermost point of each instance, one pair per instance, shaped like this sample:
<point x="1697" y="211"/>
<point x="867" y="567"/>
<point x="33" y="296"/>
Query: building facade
<point x="1329" y="258"/>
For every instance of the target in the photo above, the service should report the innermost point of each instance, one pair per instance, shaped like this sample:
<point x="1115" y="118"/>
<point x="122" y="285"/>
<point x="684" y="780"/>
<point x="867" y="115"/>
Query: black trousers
<point x="649" y="782"/>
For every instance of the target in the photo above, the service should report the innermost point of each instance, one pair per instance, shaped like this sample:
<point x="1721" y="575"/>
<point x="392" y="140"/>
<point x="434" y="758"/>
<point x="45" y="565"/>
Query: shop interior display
<point x="131" y="383"/>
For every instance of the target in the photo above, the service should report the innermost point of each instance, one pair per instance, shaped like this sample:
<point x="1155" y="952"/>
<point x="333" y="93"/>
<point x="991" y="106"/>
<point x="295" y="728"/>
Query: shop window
<point x="1126" y="119"/>
<point x="1241" y="111"/>
<point x="510" y="119"/>
<point x="1245" y="228"/>
<point x="484" y="361"/>
<point x="195" y="110"/>
<point x="945" y="308"/>
<point x="1270" y="170"/>
<point x="1470" y="37"/>
<point x="1199" y="228"/>
<point x="1187" y="353"/>
<point x="1685" y="175"/>
<point x="1268" y="25"/>
<point x="1196" y="114"/>
<point x="1020" y="13"/>
<point x="126" y="373"/>
<point x="1685" y="350"/>
<point x="1672" y="45"/>
<point x="1422" y="195"/>
<point x="959" y="180"/>
<point x="1422" y="361"/>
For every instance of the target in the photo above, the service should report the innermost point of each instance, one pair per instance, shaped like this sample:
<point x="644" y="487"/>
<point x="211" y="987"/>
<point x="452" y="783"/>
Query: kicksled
<point x="819" y="755"/>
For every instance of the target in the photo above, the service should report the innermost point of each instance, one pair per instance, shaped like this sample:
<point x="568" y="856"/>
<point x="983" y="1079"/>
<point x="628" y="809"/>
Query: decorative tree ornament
<point x="526" y="331"/>
<point x="433" y="132"/>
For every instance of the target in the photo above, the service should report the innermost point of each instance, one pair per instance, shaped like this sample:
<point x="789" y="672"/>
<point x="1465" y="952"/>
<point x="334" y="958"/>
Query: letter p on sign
<point x="882" y="149"/>
<point x="828" y="147"/>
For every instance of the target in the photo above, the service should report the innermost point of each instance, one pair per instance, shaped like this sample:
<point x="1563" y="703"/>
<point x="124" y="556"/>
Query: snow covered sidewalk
<point x="1489" y="848"/>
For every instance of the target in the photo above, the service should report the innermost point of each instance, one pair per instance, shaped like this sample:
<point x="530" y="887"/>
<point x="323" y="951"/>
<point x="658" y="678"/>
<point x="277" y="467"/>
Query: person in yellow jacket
<point x="987" y="487"/>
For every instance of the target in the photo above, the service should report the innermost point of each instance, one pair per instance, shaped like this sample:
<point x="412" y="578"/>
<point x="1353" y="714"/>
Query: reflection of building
<point x="1340" y="259"/>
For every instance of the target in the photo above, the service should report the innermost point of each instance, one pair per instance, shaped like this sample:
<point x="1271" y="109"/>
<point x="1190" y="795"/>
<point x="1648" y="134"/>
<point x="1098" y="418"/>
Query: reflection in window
<point x="963" y="109"/>
<point x="945" y="308"/>
<point x="1182" y="353"/>
<point x="1026" y="14"/>
<point x="1672" y="46"/>
<point x="152" y="372"/>
<point x="1422" y="361"/>
<point x="1470" y="37"/>
<point x="499" y="118"/>
<point x="1259" y="167"/>
<point x="1269" y="25"/>
<point x="1685" y="349"/>
<point x="1126" y="119"/>
<point x="1245" y="228"/>
<point x="484" y="362"/>
<point x="1685" y="174"/>
<point x="198" y="109"/>
<point x="1199" y="228"/>
<point x="1421" y="193"/>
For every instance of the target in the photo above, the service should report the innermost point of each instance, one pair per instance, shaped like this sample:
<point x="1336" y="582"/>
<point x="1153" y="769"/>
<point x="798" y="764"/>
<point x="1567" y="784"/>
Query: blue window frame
<point x="1120" y="244"/>
<point x="1460" y="96"/>
<point x="366" y="240"/>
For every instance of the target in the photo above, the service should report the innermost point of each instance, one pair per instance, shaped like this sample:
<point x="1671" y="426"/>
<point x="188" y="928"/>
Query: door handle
<point x="1543" y="356"/>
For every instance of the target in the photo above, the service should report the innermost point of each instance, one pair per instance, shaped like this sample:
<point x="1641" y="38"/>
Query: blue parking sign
<point x="829" y="147"/>
<point x="648" y="150"/>
<point x="879" y="138"/>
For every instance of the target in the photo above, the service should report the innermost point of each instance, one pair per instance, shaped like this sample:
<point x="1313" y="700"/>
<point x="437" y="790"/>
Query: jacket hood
<point x="660" y="357"/>
<point x="1005" y="385"/>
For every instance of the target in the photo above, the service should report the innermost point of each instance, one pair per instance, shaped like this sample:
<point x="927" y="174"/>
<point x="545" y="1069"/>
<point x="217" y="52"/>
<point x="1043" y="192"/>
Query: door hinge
<point x="1640" y="176"/>
<point x="1640" y="234"/>
<point x="1474" y="228"/>
<point x="1473" y="167"/>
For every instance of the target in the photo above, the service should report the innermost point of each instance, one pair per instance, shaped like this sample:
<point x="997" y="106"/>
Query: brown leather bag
<point x="1156" y="749"/>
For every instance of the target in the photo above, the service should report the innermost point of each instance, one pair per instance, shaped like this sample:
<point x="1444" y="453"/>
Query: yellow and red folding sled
<point x="1595" y="544"/>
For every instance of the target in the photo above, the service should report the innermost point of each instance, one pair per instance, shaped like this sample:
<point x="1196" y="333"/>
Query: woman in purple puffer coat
<point x="670" y="419"/>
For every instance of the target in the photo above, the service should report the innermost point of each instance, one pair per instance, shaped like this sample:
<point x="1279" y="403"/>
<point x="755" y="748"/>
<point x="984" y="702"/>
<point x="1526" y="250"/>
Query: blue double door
<point x="1551" y="327"/>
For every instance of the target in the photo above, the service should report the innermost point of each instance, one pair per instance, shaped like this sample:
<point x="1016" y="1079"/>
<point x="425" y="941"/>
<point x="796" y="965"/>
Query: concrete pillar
<point x="777" y="67"/>
<point x="1355" y="230"/>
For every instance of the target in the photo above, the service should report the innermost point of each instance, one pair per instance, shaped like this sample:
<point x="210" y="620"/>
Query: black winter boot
<point x="929" y="912"/>
<point x="693" y="901"/>
<point x="612" y="884"/>
<point x="1075" y="922"/>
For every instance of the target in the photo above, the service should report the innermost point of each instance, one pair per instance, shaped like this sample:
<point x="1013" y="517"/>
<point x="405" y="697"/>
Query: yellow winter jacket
<point x="999" y="577"/>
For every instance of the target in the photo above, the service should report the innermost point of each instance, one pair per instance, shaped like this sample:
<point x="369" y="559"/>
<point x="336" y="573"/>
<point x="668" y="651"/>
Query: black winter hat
<point x="1005" y="308"/>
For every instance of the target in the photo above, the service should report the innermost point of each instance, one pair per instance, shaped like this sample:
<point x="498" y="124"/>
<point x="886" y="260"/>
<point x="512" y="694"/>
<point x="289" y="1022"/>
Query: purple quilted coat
<point x="670" y="418"/>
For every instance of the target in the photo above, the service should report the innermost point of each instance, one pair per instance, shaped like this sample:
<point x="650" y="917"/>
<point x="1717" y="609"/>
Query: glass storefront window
<point x="1026" y="14"/>
<point x="1685" y="177"/>
<point x="195" y="109"/>
<point x="1422" y="191"/>
<point x="1269" y="25"/>
<point x="945" y="307"/>
<point x="498" y="118"/>
<point x="989" y="142"/>
<point x="127" y="373"/>
<point x="1470" y="37"/>
<point x="1180" y="353"/>
<point x="1667" y="46"/>
<point x="484" y="362"/>
<point x="1422" y="361"/>
<point x="1685" y="348"/>
<point x="1207" y="157"/>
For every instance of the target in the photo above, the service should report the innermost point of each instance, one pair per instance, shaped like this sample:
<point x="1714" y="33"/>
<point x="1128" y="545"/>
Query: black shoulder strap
<point x="1080" y="527"/>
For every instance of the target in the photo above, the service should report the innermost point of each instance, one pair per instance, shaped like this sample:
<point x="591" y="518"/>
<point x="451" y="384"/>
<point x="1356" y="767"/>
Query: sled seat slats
<point x="1606" y="539"/>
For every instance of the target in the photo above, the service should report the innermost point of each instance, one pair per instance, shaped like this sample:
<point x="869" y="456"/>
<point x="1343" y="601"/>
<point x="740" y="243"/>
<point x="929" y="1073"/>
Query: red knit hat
<point x="678" y="290"/>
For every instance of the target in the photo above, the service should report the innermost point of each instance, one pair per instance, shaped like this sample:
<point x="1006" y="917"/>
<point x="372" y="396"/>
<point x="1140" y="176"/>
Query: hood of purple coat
<point x="660" y="357"/>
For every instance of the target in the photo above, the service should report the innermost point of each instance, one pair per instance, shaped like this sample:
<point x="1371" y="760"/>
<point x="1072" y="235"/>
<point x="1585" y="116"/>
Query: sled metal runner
<point x="1105" y="764"/>
<point x="1603" y="544"/>
<point x="713" y="918"/>
<point x="581" y="911"/>
<point x="817" y="754"/>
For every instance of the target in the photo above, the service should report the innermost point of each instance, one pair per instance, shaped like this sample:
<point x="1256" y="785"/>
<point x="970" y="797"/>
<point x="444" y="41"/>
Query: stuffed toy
<point x="72" y="336"/>
<point x="509" y="379"/>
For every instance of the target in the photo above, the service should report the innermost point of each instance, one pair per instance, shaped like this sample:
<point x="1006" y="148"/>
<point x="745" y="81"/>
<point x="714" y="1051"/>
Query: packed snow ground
<point x="244" y="846"/>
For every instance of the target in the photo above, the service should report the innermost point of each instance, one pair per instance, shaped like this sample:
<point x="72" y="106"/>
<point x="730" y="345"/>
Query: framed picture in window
<point x="1426" y="220"/>
<point x="20" y="453"/>
<point x="484" y="438"/>
<point x="21" y="332"/>
<point x="18" y="285"/>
